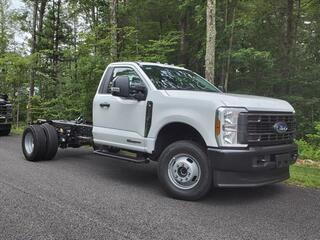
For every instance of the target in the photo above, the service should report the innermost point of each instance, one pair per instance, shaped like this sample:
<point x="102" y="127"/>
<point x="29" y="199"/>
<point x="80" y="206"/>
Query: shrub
<point x="310" y="147"/>
<point x="308" y="151"/>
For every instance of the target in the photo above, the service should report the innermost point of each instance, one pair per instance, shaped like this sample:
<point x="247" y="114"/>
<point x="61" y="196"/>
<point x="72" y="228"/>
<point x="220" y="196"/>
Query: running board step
<point x="121" y="157"/>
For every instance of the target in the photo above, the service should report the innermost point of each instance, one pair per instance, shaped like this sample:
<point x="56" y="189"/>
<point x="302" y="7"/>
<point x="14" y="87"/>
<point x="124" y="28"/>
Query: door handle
<point x="107" y="105"/>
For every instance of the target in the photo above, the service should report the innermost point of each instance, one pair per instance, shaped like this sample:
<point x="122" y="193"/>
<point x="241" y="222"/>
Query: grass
<point x="17" y="130"/>
<point x="305" y="174"/>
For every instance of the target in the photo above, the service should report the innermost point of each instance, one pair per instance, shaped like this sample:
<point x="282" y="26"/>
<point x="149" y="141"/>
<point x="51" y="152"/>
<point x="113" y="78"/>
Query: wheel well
<point x="173" y="132"/>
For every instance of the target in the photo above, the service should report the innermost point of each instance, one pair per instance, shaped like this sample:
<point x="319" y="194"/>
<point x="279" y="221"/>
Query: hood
<point x="251" y="103"/>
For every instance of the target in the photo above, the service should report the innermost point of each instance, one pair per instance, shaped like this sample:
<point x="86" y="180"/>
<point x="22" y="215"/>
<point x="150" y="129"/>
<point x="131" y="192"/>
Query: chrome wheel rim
<point x="29" y="143"/>
<point x="184" y="171"/>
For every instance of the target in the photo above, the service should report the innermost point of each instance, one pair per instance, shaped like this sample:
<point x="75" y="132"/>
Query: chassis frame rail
<point x="71" y="133"/>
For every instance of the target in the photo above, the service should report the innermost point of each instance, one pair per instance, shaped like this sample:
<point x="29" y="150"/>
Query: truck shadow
<point x="243" y="196"/>
<point x="147" y="180"/>
<point x="144" y="177"/>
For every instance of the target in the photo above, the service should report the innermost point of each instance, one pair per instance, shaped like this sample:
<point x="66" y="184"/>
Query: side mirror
<point x="121" y="87"/>
<point x="139" y="91"/>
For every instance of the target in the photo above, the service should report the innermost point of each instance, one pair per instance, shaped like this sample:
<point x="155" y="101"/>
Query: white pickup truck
<point x="200" y="136"/>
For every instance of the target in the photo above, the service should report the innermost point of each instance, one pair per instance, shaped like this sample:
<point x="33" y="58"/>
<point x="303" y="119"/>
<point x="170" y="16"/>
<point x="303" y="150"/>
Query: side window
<point x="124" y="71"/>
<point x="103" y="88"/>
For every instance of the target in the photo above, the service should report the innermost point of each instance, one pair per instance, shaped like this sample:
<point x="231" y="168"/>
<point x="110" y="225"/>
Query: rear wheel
<point x="51" y="141"/>
<point x="184" y="171"/>
<point x="34" y="143"/>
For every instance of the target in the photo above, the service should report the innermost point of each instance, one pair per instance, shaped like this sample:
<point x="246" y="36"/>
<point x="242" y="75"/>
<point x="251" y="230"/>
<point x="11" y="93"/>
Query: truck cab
<point x="200" y="137"/>
<point x="5" y="115"/>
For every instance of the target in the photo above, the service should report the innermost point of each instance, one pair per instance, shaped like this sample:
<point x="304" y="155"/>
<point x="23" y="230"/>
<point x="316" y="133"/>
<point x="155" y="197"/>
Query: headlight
<point x="226" y="126"/>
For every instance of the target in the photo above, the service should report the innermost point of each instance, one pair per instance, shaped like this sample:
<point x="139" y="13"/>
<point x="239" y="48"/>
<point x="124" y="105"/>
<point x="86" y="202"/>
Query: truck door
<point x="118" y="121"/>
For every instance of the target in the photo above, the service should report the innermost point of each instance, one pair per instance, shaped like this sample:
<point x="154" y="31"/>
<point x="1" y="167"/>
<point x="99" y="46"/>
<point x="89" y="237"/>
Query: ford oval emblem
<point x="280" y="127"/>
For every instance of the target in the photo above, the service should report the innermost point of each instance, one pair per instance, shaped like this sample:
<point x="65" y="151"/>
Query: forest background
<point x="53" y="52"/>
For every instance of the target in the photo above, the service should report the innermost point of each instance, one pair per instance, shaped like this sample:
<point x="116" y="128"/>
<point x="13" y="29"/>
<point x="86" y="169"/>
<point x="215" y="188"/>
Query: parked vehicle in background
<point x="5" y="115"/>
<point x="200" y="136"/>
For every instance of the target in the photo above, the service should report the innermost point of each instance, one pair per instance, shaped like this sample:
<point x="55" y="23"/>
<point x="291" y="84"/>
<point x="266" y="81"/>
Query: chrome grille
<point x="258" y="128"/>
<point x="6" y="110"/>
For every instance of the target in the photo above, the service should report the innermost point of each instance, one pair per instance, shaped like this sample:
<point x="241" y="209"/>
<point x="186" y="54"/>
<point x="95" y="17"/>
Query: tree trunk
<point x="114" y="26"/>
<point x="289" y="32"/>
<point x="183" y="39"/>
<point x="226" y="80"/>
<point x="33" y="50"/>
<point x="41" y="15"/>
<point x="18" y="110"/>
<point x="211" y="40"/>
<point x="295" y="35"/>
<point x="56" y="7"/>
<point x="75" y="45"/>
<point x="94" y="27"/>
<point x="42" y="10"/>
<point x="137" y="35"/>
<point x="223" y="65"/>
<point x="288" y="44"/>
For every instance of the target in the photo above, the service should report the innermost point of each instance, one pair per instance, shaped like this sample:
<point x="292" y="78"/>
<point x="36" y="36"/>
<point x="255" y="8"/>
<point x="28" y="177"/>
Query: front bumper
<point x="251" y="167"/>
<point x="4" y="127"/>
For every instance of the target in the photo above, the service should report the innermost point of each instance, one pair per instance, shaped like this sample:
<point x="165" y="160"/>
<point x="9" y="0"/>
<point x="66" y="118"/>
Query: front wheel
<point x="184" y="171"/>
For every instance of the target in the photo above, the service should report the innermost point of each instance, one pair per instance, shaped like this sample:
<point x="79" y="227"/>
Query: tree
<point x="42" y="10"/>
<point x="288" y="44"/>
<point x="4" y="30"/>
<point x="263" y="47"/>
<point x="227" y="73"/>
<point x="56" y="38"/>
<point x="114" y="26"/>
<point x="33" y="50"/>
<point x="211" y="40"/>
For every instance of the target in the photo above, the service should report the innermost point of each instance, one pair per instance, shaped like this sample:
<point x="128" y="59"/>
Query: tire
<point x="34" y="143"/>
<point x="52" y="142"/>
<point x="185" y="161"/>
<point x="6" y="131"/>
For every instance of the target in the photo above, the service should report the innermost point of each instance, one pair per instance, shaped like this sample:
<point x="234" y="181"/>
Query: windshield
<point x="166" y="78"/>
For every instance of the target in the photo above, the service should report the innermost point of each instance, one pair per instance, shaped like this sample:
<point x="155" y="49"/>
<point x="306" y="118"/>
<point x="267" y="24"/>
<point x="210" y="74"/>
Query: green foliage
<point x="308" y="151"/>
<point x="158" y="50"/>
<point x="310" y="147"/>
<point x="252" y="70"/>
<point x="314" y="138"/>
<point x="57" y="108"/>
<point x="71" y="55"/>
<point x="18" y="130"/>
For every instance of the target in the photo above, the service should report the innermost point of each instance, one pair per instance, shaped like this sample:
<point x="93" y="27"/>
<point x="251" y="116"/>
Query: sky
<point x="16" y="4"/>
<point x="20" y="37"/>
